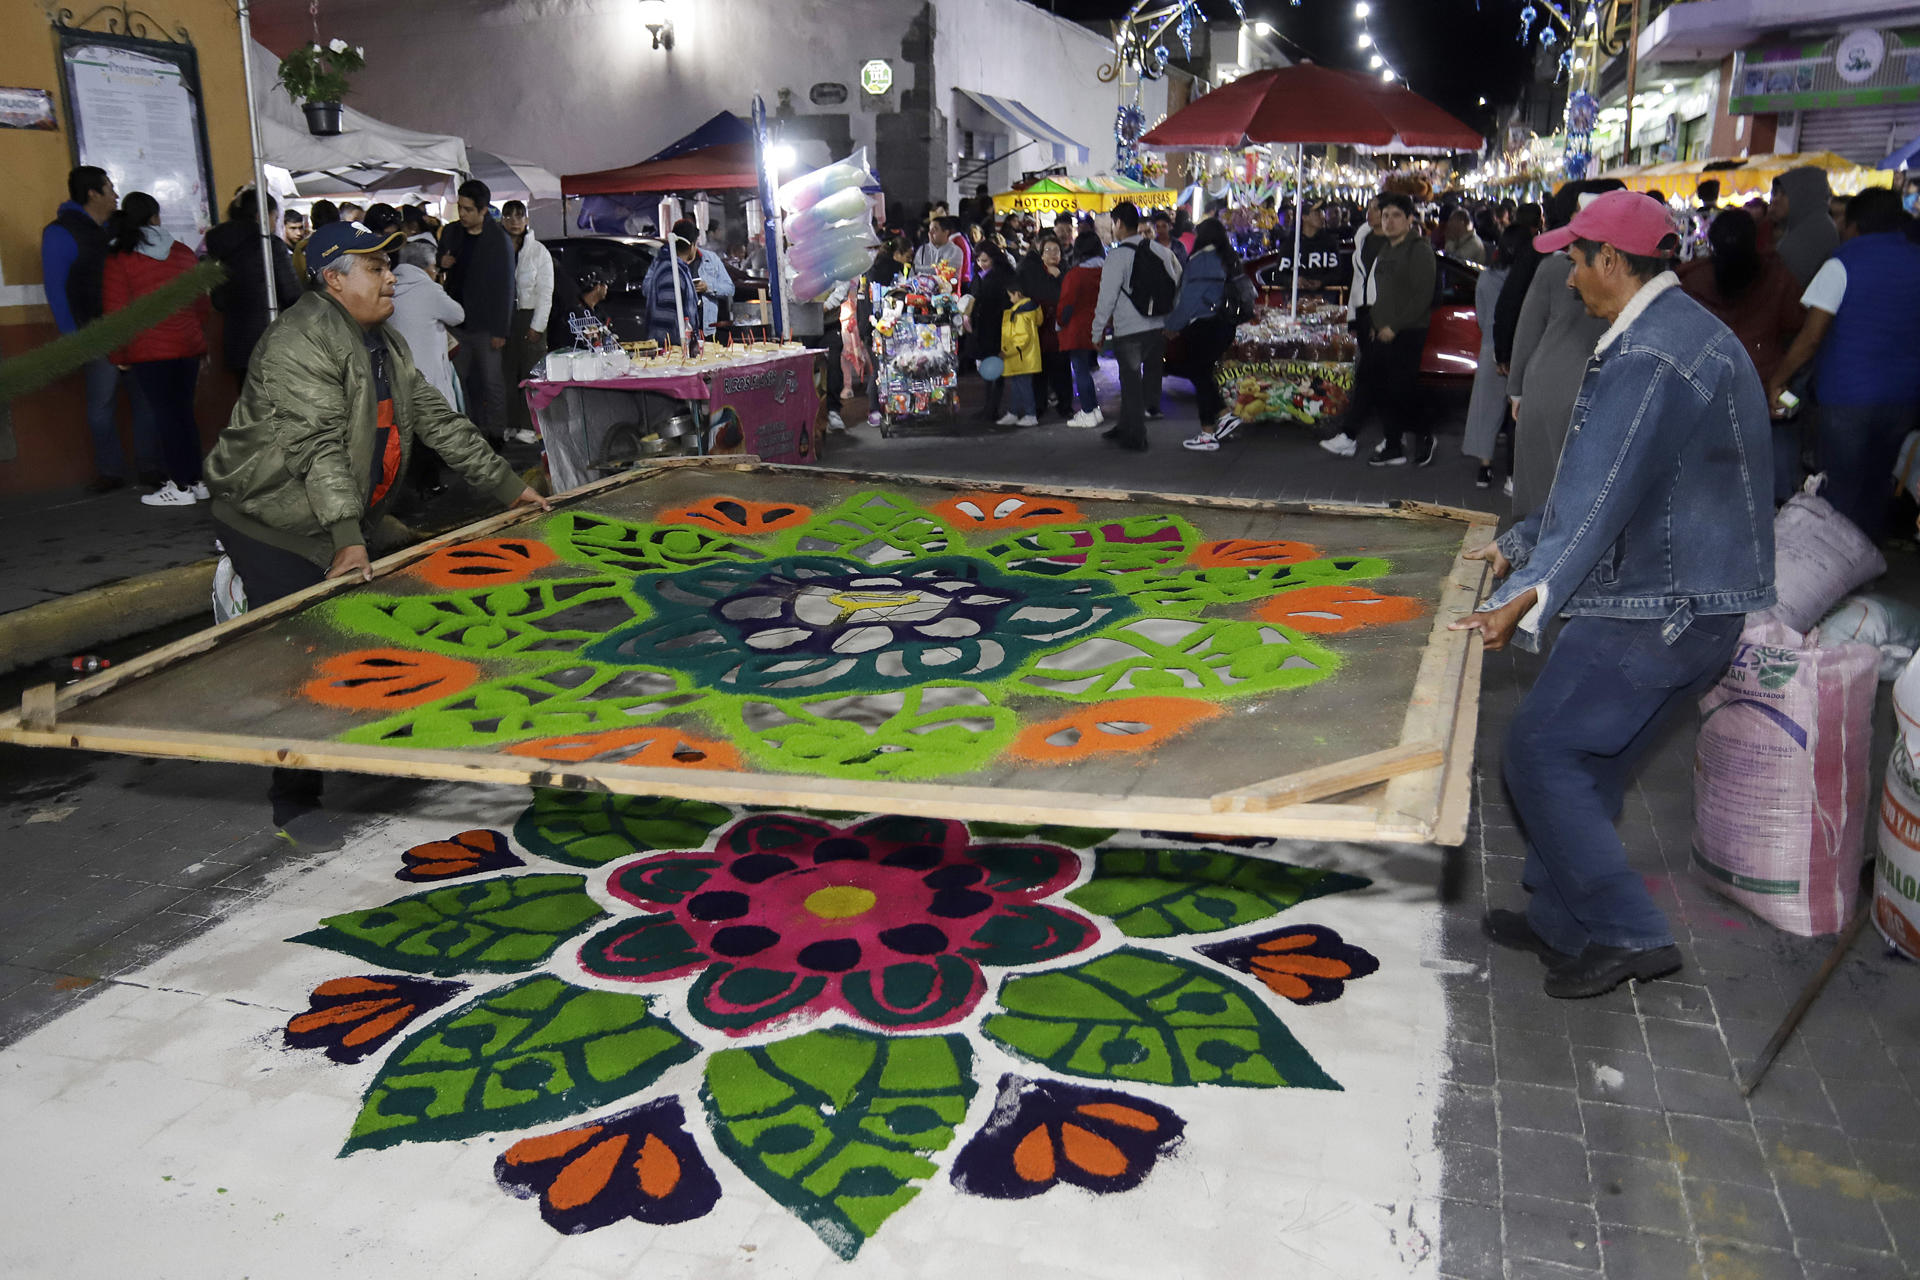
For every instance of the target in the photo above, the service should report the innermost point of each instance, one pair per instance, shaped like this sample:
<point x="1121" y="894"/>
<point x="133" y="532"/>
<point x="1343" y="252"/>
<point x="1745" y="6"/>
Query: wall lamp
<point x="658" y="22"/>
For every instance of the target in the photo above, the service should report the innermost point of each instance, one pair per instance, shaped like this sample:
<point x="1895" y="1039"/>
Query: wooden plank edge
<point x="200" y="641"/>
<point x="1456" y="790"/>
<point x="1326" y="780"/>
<point x="1184" y="814"/>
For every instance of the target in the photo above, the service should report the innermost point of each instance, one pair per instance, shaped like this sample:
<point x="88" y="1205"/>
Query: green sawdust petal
<point x="1220" y="658"/>
<point x="837" y="1125"/>
<point x="1166" y="893"/>
<point x="573" y="697"/>
<point x="506" y="924"/>
<point x="873" y="528"/>
<point x="1189" y="592"/>
<point x="585" y="829"/>
<point x="529" y="620"/>
<point x="626" y="546"/>
<point x="1072" y="837"/>
<point x="526" y="1054"/>
<point x="1106" y="549"/>
<point x="1143" y="1017"/>
<point x="910" y="745"/>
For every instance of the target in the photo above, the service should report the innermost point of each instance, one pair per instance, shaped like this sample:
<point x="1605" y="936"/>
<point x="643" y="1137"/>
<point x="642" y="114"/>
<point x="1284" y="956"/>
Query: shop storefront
<point x="1855" y="93"/>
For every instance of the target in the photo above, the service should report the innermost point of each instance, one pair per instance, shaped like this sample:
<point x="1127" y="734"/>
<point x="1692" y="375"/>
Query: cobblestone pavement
<point x="1601" y="1137"/>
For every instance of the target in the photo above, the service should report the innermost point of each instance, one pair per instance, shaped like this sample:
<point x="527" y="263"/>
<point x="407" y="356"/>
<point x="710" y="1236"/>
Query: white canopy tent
<point x="363" y="142"/>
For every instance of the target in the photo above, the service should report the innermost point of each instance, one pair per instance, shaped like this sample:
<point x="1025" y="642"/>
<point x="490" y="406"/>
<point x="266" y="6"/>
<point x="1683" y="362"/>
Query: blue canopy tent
<point x="717" y="156"/>
<point x="1903" y="158"/>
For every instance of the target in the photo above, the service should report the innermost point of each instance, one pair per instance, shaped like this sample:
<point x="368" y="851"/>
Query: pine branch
<point x="37" y="368"/>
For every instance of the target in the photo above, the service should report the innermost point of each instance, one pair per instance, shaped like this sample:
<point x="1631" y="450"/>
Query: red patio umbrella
<point x="1307" y="105"/>
<point x="1313" y="106"/>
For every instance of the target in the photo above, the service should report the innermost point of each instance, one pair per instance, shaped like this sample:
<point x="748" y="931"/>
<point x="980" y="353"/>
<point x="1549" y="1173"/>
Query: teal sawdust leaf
<point x="562" y="701"/>
<point x="837" y="1125"/>
<point x="584" y="829"/>
<point x="1164" y="893"/>
<point x="525" y="1054"/>
<point x="1072" y="837"/>
<point x="1141" y="1016"/>
<point x="1186" y="592"/>
<point x="874" y="528"/>
<point x="931" y="731"/>
<point x="504" y="925"/>
<point x="1180" y="657"/>
<point x="1130" y="545"/>
<point x="516" y="620"/>
<point x="639" y="548"/>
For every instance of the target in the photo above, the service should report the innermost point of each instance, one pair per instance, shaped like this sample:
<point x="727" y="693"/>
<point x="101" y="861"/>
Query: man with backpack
<point x="1137" y="287"/>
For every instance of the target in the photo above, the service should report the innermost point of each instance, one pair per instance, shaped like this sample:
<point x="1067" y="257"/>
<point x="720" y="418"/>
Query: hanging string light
<point x="1376" y="59"/>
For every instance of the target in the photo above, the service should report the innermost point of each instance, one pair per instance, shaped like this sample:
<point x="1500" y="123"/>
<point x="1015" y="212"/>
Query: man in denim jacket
<point x="1655" y="541"/>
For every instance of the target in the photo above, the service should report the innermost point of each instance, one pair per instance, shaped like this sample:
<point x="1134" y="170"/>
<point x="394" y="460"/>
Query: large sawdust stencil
<point x="842" y="986"/>
<point x="875" y="638"/>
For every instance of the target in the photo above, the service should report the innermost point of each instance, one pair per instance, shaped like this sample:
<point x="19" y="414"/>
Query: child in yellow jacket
<point x="1020" y="357"/>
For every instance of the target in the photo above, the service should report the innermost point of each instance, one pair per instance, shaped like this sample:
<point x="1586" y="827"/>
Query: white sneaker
<point x="200" y="493"/>
<point x="1008" y="420"/>
<point x="169" y="495"/>
<point x="1343" y="444"/>
<point x="1205" y="442"/>
<point x="835" y="422"/>
<point x="1029" y="421"/>
<point x="521" y="435"/>
<point x="1099" y="416"/>
<point x="1507" y="488"/>
<point x="1081" y="419"/>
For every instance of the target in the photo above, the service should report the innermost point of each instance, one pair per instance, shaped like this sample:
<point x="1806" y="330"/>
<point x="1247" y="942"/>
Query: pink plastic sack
<point x="1780" y="773"/>
<point x="1818" y="557"/>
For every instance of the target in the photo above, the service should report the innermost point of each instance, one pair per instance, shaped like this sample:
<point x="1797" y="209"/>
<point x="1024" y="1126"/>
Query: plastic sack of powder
<point x="1780" y="777"/>
<point x="1818" y="556"/>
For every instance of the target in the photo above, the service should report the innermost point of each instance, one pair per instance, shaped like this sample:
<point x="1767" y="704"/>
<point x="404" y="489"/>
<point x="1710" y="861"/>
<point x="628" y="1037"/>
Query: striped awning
<point x="1016" y="115"/>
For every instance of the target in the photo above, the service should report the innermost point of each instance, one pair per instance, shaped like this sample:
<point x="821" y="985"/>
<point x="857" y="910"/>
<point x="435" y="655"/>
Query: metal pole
<point x="262" y="208"/>
<point x="1633" y="83"/>
<point x="1299" y="182"/>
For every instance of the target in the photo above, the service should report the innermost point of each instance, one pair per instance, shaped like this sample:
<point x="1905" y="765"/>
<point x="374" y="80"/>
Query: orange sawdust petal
<point x="1114" y="1113"/>
<point x="738" y="515"/>
<point x="350" y="986"/>
<point x="337" y="1013"/>
<point x="1240" y="553"/>
<point x="659" y="748"/>
<point x="1079" y="734"/>
<point x="658" y="1167"/>
<point x="1335" y="607"/>
<point x="374" y="1028"/>
<point x="1033" y="1158"/>
<point x="1092" y="1152"/>
<point x="988" y="511"/>
<point x="388" y="679"/>
<point x="550" y="1146"/>
<point x="484" y="562"/>
<point x="1311" y="966"/>
<point x="1285" y="984"/>
<point x="587" y="1175"/>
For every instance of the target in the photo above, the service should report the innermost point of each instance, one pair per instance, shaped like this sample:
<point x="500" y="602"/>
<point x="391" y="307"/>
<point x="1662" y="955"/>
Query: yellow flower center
<point x="838" y="901"/>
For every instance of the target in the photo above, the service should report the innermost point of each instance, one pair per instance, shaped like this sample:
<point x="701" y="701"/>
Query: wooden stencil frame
<point x="1415" y="792"/>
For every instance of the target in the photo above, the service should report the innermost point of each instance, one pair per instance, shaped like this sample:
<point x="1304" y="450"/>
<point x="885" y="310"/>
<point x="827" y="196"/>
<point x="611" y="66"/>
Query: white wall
<point x="575" y="85"/>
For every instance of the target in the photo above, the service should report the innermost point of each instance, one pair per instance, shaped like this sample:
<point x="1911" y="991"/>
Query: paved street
<point x="1598" y="1138"/>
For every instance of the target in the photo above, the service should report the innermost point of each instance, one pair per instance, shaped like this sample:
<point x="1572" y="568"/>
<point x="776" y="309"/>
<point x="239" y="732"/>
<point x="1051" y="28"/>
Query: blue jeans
<point x="1571" y="751"/>
<point x="103" y="421"/>
<point x="1020" y="394"/>
<point x="1083" y="363"/>
<point x="1141" y="358"/>
<point x="1858" y="447"/>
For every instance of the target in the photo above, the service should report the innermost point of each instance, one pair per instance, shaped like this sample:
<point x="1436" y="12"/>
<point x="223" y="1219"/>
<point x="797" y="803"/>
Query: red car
<point x="1453" y="332"/>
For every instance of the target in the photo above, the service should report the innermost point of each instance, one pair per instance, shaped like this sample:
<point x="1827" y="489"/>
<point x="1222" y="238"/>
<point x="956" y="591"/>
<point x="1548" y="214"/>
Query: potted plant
<point x="316" y="78"/>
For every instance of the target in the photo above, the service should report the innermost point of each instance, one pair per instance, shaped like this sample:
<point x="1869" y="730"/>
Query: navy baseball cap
<point x="330" y="241"/>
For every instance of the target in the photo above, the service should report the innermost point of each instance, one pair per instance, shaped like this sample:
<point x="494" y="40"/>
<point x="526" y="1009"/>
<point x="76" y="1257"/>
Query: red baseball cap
<point x="1627" y="220"/>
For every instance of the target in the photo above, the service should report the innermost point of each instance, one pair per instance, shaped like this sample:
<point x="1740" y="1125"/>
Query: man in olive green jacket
<point x="321" y="436"/>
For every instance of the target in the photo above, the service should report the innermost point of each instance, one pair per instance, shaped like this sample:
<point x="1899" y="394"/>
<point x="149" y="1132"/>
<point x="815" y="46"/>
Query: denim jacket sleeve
<point x="1615" y="453"/>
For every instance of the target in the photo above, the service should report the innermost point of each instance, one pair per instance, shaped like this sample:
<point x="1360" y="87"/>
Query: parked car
<point x="622" y="261"/>
<point x="1453" y="332"/>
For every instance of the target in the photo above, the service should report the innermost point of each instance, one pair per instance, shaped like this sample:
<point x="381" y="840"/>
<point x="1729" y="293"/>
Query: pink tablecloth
<point x="681" y="386"/>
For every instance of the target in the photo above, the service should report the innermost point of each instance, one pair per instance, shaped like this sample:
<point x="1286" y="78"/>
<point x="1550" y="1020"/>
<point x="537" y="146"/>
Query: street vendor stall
<point x="600" y="411"/>
<point x="916" y="348"/>
<point x="1287" y="368"/>
<point x="1097" y="194"/>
